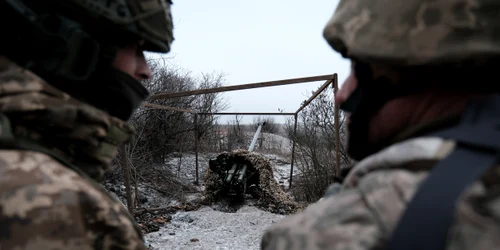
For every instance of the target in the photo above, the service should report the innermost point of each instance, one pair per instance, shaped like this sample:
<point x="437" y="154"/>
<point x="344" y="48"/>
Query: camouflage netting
<point x="272" y="197"/>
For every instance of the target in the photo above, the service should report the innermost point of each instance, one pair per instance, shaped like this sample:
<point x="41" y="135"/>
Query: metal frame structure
<point x="329" y="79"/>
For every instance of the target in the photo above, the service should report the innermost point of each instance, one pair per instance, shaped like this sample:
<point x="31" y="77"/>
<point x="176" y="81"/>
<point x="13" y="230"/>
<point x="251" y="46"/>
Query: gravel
<point x="210" y="229"/>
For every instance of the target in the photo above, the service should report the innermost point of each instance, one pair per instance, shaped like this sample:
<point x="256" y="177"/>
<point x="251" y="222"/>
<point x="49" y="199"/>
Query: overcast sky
<point x="254" y="41"/>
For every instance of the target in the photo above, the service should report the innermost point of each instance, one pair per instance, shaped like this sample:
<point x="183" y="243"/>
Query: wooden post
<point x="337" y="126"/>
<point x="126" y="176"/>
<point x="293" y="149"/>
<point x="196" y="145"/>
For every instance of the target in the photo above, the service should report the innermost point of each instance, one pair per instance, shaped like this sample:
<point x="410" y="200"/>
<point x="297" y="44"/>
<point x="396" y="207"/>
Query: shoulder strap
<point x="425" y="223"/>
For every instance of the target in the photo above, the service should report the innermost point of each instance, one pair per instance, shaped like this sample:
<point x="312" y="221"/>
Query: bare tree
<point x="209" y="103"/>
<point x="271" y="126"/>
<point x="164" y="131"/>
<point x="236" y="136"/>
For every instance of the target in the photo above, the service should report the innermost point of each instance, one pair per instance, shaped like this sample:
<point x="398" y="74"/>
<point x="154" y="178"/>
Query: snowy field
<point x="210" y="229"/>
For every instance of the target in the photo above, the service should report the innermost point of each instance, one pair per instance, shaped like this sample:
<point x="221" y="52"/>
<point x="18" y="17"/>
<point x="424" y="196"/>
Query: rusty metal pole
<point x="196" y="144"/>
<point x="293" y="149"/>
<point x="126" y="175"/>
<point x="167" y="95"/>
<point x="337" y="126"/>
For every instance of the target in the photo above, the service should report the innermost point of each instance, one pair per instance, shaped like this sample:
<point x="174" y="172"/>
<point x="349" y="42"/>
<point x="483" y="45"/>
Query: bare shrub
<point x="160" y="134"/>
<point x="315" y="154"/>
<point x="236" y="138"/>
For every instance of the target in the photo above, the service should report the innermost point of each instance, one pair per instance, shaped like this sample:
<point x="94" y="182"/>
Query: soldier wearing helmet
<point x="70" y="73"/>
<point x="423" y="111"/>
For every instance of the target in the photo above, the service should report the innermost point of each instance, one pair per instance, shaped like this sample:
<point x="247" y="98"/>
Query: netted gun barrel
<point x="243" y="174"/>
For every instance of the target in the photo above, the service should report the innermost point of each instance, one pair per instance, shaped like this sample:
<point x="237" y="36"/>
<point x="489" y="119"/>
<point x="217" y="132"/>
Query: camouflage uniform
<point x="373" y="198"/>
<point x="54" y="148"/>
<point x="364" y="214"/>
<point x="43" y="203"/>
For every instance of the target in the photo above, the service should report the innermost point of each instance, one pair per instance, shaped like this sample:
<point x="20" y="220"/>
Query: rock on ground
<point x="210" y="229"/>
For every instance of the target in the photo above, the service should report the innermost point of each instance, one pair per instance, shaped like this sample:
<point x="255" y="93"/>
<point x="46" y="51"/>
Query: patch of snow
<point x="267" y="142"/>
<point x="148" y="197"/>
<point x="275" y="143"/>
<point x="210" y="229"/>
<point x="184" y="167"/>
<point x="281" y="167"/>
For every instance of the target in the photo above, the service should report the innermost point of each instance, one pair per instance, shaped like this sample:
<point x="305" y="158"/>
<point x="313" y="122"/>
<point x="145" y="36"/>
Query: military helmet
<point x="151" y="20"/>
<point x="415" y="32"/>
<point x="72" y="45"/>
<point x="72" y="32"/>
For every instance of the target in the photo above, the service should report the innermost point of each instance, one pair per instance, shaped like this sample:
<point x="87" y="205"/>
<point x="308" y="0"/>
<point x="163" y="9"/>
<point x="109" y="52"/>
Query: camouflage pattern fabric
<point x="74" y="131"/>
<point x="272" y="197"/>
<point x="149" y="19"/>
<point x="415" y="32"/>
<point x="47" y="199"/>
<point x="374" y="196"/>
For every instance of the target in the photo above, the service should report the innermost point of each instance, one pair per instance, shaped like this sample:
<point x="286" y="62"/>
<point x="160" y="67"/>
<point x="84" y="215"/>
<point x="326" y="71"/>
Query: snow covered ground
<point x="210" y="229"/>
<point x="281" y="169"/>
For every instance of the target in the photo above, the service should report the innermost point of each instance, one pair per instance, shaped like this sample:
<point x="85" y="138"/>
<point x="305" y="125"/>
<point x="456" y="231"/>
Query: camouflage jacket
<point x="365" y="212"/>
<point x="52" y="149"/>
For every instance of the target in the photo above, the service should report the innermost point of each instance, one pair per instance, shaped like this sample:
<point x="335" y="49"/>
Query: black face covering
<point x="369" y="96"/>
<point x="113" y="91"/>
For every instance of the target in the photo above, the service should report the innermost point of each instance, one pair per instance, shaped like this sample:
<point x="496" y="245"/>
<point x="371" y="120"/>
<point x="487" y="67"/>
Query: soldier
<point x="70" y="74"/>
<point x="423" y="123"/>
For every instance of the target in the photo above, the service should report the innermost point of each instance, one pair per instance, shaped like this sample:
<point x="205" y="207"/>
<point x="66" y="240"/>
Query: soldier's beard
<point x="358" y="143"/>
<point x="373" y="91"/>
<point x="362" y="140"/>
<point x="363" y="103"/>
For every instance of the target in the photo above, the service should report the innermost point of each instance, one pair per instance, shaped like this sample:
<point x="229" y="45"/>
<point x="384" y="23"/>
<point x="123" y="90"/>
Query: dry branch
<point x="169" y="209"/>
